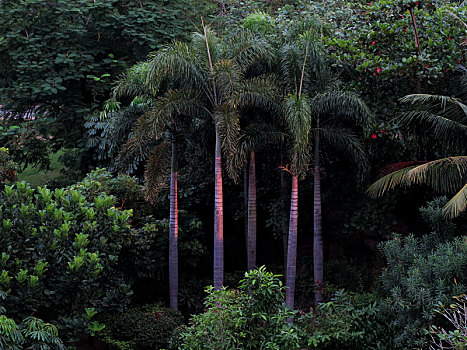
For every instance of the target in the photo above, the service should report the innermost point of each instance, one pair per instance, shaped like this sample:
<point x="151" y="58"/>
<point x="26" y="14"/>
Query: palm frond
<point x="228" y="78"/>
<point x="389" y="182"/>
<point x="444" y="175"/>
<point x="156" y="169"/>
<point x="345" y="104"/>
<point x="347" y="143"/>
<point x="298" y="118"/>
<point x="228" y="122"/>
<point x="133" y="83"/>
<point x="247" y="48"/>
<point x="259" y="92"/>
<point x="177" y="61"/>
<point x="456" y="204"/>
<point x="436" y="100"/>
<point x="254" y="137"/>
<point x="398" y="166"/>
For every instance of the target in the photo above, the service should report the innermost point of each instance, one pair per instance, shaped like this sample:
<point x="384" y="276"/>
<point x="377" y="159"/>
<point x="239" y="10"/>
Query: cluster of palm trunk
<point x="212" y="77"/>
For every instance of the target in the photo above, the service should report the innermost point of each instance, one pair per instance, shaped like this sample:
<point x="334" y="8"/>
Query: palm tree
<point x="254" y="137"/>
<point x="315" y="110"/>
<point x="209" y="74"/>
<point x="160" y="118"/>
<point x="447" y="118"/>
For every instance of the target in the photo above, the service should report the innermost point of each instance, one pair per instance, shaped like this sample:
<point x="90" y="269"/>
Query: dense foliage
<point x="60" y="254"/>
<point x="141" y="328"/>
<point x="297" y="106"/>
<point x="252" y="317"/>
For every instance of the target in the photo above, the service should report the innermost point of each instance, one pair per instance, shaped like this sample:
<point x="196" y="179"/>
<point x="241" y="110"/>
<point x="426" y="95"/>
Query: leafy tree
<point x="56" y="59"/>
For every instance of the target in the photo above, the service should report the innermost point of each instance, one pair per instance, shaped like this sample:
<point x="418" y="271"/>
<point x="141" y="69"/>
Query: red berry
<point x="373" y="136"/>
<point x="450" y="39"/>
<point x="374" y="74"/>
<point x="373" y="43"/>
<point x="404" y="29"/>
<point x="378" y="70"/>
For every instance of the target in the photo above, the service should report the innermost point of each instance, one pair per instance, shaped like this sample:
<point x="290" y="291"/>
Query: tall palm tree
<point x="447" y="119"/>
<point x="210" y="80"/>
<point x="317" y="113"/>
<point x="253" y="138"/>
<point x="160" y="119"/>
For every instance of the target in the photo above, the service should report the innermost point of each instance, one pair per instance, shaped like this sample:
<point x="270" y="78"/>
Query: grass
<point x="37" y="177"/>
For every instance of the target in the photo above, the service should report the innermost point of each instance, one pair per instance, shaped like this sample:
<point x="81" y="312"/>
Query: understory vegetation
<point x="237" y="175"/>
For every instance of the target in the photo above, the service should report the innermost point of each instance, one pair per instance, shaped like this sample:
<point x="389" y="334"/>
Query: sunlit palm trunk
<point x="292" y="245"/>
<point x="173" y="230"/>
<point x="245" y="201"/>
<point x="285" y="226"/>
<point x="252" y="213"/>
<point x="218" y="218"/>
<point x="317" y="228"/>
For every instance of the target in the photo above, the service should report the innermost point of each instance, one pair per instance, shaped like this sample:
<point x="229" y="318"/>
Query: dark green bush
<point x="148" y="327"/>
<point x="346" y="322"/>
<point x="421" y="273"/>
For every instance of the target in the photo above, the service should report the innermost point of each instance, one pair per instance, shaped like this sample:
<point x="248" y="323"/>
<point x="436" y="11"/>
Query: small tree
<point x="252" y="317"/>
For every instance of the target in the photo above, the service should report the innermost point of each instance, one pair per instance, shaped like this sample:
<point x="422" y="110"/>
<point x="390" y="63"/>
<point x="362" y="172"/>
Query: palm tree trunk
<point x="292" y="245"/>
<point x="173" y="229"/>
<point x="218" y="218"/>
<point x="285" y="224"/>
<point x="245" y="201"/>
<point x="317" y="228"/>
<point x="252" y="213"/>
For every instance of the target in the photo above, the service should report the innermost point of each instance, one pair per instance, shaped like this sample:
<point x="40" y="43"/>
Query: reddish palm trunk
<point x="292" y="245"/>
<point x="285" y="224"/>
<point x="317" y="228"/>
<point x="245" y="201"/>
<point x="218" y="218"/>
<point x="252" y="213"/>
<point x="173" y="230"/>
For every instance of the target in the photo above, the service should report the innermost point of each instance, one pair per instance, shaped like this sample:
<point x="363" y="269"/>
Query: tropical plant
<point x="209" y="82"/>
<point x="32" y="333"/>
<point x="345" y="322"/>
<point x="316" y="112"/>
<point x="55" y="242"/>
<point x="252" y="317"/>
<point x="420" y="274"/>
<point x="456" y="315"/>
<point x="446" y="117"/>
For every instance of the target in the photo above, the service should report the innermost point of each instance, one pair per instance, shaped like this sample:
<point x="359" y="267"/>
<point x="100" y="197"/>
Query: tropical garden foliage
<point x="198" y="142"/>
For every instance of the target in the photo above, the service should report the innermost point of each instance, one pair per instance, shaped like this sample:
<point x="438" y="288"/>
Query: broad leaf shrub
<point x="144" y="327"/>
<point x="420" y="274"/>
<point x="345" y="322"/>
<point x="59" y="253"/>
<point x="252" y="317"/>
